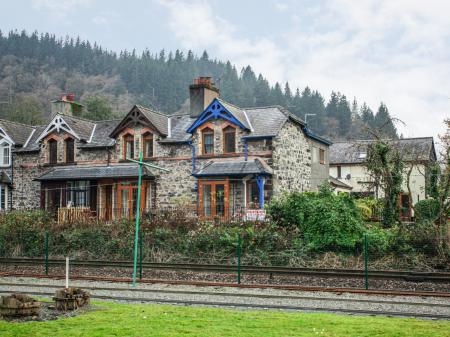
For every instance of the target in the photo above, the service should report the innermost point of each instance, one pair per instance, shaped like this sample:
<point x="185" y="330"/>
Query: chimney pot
<point x="202" y="92"/>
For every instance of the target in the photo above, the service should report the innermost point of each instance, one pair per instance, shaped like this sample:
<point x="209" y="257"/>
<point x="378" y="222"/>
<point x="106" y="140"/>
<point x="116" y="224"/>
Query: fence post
<point x="140" y="254"/>
<point x="366" y="262"/>
<point x="46" y="252"/>
<point x="239" y="244"/>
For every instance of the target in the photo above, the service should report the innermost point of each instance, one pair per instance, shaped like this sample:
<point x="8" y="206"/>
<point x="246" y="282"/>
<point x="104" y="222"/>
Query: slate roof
<point x="18" y="132"/>
<point x="158" y="119"/>
<point x="336" y="182"/>
<point x="32" y="146"/>
<point x="5" y="178"/>
<point x="352" y="152"/>
<point x="260" y="121"/>
<point x="237" y="112"/>
<point x="179" y="125"/>
<point x="234" y="168"/>
<point x="93" y="172"/>
<point x="82" y="127"/>
<point x="101" y="134"/>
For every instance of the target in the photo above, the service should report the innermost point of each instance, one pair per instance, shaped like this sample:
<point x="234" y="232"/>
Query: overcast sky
<point x="395" y="51"/>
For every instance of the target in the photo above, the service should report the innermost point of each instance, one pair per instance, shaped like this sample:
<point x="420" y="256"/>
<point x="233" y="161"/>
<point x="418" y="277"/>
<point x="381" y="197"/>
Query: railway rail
<point x="413" y="276"/>
<point x="234" y="285"/>
<point x="227" y="299"/>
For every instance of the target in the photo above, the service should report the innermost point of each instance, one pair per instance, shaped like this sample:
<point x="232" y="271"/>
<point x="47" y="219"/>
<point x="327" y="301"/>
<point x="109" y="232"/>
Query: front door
<point x="213" y="199"/>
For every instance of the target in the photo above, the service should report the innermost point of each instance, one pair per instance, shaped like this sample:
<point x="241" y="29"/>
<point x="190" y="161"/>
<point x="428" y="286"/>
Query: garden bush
<point x="326" y="221"/>
<point x="426" y="210"/>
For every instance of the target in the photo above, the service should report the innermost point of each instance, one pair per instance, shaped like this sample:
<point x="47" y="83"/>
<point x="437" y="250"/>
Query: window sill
<point x="58" y="164"/>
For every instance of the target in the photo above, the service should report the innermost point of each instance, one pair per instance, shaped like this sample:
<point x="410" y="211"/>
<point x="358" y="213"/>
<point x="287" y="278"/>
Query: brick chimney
<point x="66" y="105"/>
<point x="201" y="93"/>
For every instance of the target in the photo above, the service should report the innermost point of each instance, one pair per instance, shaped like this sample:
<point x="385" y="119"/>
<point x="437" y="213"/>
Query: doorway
<point x="213" y="199"/>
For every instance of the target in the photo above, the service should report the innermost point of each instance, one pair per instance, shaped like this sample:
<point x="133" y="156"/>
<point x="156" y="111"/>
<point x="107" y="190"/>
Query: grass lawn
<point x="163" y="320"/>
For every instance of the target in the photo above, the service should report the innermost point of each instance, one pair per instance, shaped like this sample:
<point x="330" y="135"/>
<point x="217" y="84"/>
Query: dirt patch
<point x="48" y="312"/>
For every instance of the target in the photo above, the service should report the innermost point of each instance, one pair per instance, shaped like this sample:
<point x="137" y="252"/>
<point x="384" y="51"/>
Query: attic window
<point x="208" y="141"/>
<point x="147" y="141"/>
<point x="362" y="155"/>
<point x="5" y="154"/>
<point x="52" y="151"/>
<point x="229" y="140"/>
<point x="70" y="150"/>
<point x="128" y="148"/>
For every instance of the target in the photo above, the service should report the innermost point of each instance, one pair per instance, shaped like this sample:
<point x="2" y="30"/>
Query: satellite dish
<point x="348" y="177"/>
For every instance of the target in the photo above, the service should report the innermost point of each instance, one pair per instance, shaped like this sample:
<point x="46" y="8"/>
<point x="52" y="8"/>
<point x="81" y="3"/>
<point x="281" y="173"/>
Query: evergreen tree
<point x="383" y="122"/>
<point x="41" y="66"/>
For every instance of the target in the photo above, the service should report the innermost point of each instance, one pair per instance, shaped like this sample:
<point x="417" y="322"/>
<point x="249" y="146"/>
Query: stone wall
<point x="291" y="160"/>
<point x="26" y="191"/>
<point x="177" y="185"/>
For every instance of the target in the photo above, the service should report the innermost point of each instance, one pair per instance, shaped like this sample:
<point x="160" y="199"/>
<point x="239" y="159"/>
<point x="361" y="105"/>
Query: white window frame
<point x="5" y="146"/>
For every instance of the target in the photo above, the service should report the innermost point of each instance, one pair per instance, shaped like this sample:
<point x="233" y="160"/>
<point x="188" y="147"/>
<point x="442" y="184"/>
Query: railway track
<point x="338" y="290"/>
<point x="438" y="277"/>
<point x="251" y="300"/>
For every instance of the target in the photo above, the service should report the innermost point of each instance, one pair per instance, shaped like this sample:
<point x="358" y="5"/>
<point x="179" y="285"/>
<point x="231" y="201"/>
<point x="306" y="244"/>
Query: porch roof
<point x="94" y="172"/>
<point x="234" y="168"/>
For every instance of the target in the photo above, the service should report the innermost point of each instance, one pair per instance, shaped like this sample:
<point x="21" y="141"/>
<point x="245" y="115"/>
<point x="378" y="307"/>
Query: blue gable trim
<point x="215" y="111"/>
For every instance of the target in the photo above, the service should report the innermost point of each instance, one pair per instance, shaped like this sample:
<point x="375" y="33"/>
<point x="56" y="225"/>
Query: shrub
<point x="426" y="210"/>
<point x="325" y="220"/>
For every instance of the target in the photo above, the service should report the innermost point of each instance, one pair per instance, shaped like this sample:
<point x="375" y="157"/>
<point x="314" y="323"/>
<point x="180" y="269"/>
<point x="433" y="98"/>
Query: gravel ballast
<point x="242" y="298"/>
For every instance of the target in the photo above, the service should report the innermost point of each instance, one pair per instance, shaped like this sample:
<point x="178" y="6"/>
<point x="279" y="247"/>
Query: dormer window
<point x="147" y="141"/>
<point x="52" y="151"/>
<point x="208" y="141"/>
<point x="229" y="140"/>
<point x="128" y="146"/>
<point x="70" y="150"/>
<point x="5" y="154"/>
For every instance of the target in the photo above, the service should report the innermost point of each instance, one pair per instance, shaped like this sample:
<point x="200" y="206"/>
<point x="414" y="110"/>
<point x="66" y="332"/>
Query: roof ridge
<point x="76" y="117"/>
<point x="226" y="102"/>
<point x="154" y="111"/>
<point x="17" y="123"/>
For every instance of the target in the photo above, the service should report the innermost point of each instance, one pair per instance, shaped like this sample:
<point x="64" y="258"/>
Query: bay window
<point x="78" y="193"/>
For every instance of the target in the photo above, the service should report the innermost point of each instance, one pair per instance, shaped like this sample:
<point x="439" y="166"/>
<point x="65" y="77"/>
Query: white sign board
<point x="255" y="215"/>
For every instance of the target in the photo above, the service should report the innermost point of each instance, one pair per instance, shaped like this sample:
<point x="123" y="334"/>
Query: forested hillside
<point x="37" y="68"/>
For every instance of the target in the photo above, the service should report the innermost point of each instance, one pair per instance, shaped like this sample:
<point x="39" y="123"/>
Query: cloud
<point x="100" y="20"/>
<point x="198" y="27"/>
<point x="280" y="6"/>
<point x="60" y="9"/>
<point x="377" y="50"/>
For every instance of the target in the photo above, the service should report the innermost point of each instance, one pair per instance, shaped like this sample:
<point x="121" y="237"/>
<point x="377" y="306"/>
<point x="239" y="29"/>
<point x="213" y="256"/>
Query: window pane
<point x="130" y="149"/>
<point x="6" y="155"/>
<point x="53" y="151"/>
<point x="124" y="203"/>
<point x="148" y="144"/>
<point x="220" y="200"/>
<point x="70" y="153"/>
<point x="2" y="198"/>
<point x="230" y="141"/>
<point x="207" y="200"/>
<point x="208" y="143"/>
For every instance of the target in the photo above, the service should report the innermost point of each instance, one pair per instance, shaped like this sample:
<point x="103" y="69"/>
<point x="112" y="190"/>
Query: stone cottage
<point x="223" y="159"/>
<point x="12" y="135"/>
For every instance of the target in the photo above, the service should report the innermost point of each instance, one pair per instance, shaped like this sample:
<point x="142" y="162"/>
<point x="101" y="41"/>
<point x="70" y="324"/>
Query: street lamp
<point x="306" y="117"/>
